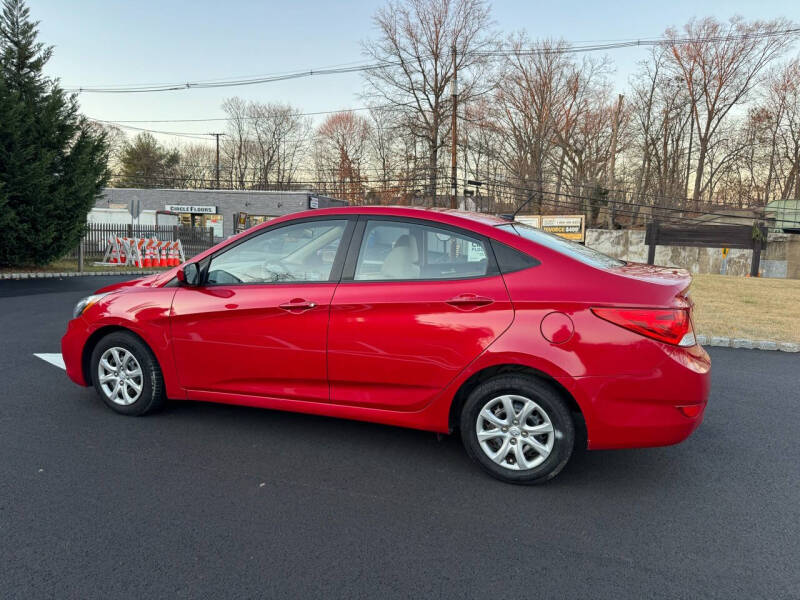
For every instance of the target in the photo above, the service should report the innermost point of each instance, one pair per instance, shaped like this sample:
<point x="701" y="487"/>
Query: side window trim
<point x="348" y="274"/>
<point x="336" y="267"/>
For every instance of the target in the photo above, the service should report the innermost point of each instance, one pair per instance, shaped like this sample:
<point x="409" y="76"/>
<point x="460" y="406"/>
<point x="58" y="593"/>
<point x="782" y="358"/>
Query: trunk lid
<point x="671" y="284"/>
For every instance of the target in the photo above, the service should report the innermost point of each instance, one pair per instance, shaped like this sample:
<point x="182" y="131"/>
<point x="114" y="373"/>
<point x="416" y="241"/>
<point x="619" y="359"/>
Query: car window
<point x="510" y="259"/>
<point x="404" y="250"/>
<point x="303" y="252"/>
<point x="563" y="246"/>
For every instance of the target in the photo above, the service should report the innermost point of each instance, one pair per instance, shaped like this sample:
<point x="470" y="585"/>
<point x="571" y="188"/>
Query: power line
<point x="387" y="107"/>
<point x="565" y="49"/>
<point x="512" y="191"/>
<point x="628" y="207"/>
<point x="183" y="134"/>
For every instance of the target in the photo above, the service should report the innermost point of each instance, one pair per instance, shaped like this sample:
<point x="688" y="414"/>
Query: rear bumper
<point x="636" y="411"/>
<point x="72" y="345"/>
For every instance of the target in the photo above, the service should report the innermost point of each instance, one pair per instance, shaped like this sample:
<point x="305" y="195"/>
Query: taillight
<point x="670" y="325"/>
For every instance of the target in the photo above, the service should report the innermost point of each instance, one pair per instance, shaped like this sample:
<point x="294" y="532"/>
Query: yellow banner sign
<point x="571" y="227"/>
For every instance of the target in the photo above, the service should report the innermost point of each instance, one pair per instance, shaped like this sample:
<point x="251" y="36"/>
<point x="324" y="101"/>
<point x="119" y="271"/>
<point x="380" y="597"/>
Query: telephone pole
<point x="453" y="168"/>
<point x="217" y="135"/>
<point x="612" y="160"/>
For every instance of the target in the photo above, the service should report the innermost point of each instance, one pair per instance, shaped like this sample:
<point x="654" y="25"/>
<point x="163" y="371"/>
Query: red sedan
<point x="525" y="343"/>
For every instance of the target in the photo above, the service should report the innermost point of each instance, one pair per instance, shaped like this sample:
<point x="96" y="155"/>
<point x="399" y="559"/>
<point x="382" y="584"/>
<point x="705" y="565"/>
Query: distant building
<point x="226" y="211"/>
<point x="784" y="215"/>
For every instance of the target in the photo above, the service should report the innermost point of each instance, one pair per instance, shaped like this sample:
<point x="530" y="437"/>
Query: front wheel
<point x="518" y="429"/>
<point x="126" y="374"/>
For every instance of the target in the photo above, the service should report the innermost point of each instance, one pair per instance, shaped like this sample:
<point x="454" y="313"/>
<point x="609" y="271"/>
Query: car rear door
<point x="418" y="301"/>
<point x="258" y="325"/>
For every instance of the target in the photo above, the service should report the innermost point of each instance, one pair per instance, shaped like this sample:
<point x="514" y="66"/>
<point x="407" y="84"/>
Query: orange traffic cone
<point x="173" y="256"/>
<point x="162" y="261"/>
<point x="148" y="257"/>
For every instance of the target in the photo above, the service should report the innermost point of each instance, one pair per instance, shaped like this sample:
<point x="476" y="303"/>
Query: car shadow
<point x="411" y="453"/>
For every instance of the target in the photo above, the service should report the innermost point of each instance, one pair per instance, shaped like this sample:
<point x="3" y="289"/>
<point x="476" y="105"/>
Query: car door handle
<point x="469" y="301"/>
<point x="297" y="305"/>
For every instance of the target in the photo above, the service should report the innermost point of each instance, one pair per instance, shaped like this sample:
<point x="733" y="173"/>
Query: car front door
<point x="417" y="303"/>
<point x="256" y="326"/>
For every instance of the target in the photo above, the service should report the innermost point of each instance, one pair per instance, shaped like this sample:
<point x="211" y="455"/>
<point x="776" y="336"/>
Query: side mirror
<point x="189" y="274"/>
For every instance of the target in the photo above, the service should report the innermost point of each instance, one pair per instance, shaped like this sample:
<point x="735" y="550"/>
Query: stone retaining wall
<point x="781" y="258"/>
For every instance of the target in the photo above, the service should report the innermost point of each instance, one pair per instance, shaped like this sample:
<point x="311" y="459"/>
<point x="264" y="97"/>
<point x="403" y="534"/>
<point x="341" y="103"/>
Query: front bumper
<point x="72" y="345"/>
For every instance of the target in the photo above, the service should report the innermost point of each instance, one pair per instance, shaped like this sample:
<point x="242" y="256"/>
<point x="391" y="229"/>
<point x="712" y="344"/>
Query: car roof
<point x="443" y="215"/>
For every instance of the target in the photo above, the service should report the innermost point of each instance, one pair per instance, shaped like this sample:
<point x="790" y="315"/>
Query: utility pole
<point x="454" y="131"/>
<point x="217" y="135"/>
<point x="612" y="161"/>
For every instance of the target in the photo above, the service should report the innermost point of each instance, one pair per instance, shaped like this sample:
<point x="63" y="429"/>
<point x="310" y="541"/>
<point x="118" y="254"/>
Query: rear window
<point x="563" y="246"/>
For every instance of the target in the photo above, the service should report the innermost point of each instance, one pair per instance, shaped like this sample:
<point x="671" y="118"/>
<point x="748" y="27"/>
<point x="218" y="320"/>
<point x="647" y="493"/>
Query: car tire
<point x="129" y="379"/>
<point x="508" y="447"/>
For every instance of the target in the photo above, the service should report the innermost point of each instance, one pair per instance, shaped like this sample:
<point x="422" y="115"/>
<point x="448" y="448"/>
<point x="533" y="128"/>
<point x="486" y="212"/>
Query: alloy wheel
<point x="515" y="432"/>
<point x="120" y="376"/>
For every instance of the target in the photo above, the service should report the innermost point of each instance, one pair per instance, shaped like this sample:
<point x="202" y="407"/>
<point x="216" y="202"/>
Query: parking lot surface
<point x="207" y="501"/>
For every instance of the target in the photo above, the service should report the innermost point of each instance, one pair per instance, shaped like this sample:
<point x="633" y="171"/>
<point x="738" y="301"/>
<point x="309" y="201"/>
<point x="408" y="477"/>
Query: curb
<point x="726" y="342"/>
<point x="50" y="275"/>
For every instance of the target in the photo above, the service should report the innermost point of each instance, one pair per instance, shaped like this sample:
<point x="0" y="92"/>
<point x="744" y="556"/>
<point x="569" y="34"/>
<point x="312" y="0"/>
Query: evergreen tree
<point x="53" y="164"/>
<point x="147" y="164"/>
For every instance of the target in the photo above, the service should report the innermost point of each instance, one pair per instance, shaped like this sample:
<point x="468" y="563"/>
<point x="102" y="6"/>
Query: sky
<point x="111" y="42"/>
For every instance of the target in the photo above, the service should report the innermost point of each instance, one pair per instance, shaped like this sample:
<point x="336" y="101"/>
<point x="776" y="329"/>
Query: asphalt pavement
<point x="211" y="501"/>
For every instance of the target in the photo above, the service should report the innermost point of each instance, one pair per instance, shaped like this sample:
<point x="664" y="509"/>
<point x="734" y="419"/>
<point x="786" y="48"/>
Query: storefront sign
<point x="190" y="208"/>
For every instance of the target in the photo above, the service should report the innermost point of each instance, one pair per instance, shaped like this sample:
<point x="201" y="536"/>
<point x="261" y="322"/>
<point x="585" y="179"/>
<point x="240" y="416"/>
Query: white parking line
<point x="53" y="358"/>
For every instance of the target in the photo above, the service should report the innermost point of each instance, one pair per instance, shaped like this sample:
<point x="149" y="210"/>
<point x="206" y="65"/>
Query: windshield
<point x="563" y="246"/>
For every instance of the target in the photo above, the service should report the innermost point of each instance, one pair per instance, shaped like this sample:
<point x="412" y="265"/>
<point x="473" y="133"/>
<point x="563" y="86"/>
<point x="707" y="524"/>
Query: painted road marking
<point x="54" y="359"/>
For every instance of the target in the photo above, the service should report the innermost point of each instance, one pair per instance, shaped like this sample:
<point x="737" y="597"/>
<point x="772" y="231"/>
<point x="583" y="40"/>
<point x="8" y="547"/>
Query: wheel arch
<point x="486" y="373"/>
<point x="99" y="334"/>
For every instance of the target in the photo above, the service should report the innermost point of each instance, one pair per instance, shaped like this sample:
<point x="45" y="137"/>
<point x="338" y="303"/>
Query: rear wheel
<point x="518" y="429"/>
<point x="126" y="375"/>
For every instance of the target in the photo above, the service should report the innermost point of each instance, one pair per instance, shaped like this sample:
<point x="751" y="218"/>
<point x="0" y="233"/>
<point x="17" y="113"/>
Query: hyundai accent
<point x="526" y="344"/>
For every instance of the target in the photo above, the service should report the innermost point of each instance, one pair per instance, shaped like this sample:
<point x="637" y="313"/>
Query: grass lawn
<point x="64" y="266"/>
<point x="745" y="307"/>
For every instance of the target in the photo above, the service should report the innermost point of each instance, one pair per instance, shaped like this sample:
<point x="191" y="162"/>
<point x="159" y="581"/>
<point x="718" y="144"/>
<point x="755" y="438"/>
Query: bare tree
<point x="531" y="93"/>
<point x="237" y="147"/>
<point x="342" y="144"/>
<point x="414" y="48"/>
<point x="264" y="145"/>
<point x="280" y="138"/>
<point x="720" y="63"/>
<point x="116" y="140"/>
<point x="782" y="106"/>
<point x="197" y="166"/>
